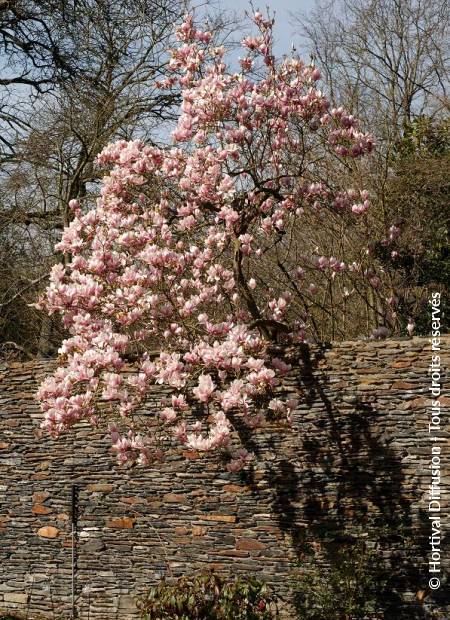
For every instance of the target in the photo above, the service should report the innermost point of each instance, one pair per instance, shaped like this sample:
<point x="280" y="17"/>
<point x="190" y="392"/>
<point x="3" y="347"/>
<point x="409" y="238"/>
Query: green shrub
<point x="208" y="596"/>
<point x="350" y="586"/>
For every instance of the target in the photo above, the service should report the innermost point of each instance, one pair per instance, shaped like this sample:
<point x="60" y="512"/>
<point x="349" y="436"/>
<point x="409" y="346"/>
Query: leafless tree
<point x="82" y="73"/>
<point x="387" y="59"/>
<point x="388" y="62"/>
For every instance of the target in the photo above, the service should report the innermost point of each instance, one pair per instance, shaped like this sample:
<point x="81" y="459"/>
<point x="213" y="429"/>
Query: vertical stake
<point x="74" y="527"/>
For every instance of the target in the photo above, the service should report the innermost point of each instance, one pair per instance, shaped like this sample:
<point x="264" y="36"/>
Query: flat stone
<point x="40" y="496"/>
<point x="249" y="544"/>
<point x="15" y="597"/>
<point x="223" y="518"/>
<point x="191" y="455"/>
<point x="181" y="531"/>
<point x="41" y="475"/>
<point x="403" y="385"/>
<point x="132" y="500"/>
<point x="38" y="509"/>
<point x="234" y="488"/>
<point x="125" y="523"/>
<point x="174" y="498"/>
<point x="100" y="487"/>
<point x="48" y="532"/>
<point x="93" y="546"/>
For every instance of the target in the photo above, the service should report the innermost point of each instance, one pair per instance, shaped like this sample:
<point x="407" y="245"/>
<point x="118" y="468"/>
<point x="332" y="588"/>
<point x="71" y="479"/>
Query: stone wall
<point x="356" y="463"/>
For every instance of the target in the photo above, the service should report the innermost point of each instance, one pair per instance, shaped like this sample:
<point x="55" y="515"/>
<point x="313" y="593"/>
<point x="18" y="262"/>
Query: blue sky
<point x="284" y="29"/>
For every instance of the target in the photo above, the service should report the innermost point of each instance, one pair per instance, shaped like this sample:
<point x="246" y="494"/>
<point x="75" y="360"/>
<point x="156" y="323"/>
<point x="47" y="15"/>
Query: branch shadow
<point x="349" y="485"/>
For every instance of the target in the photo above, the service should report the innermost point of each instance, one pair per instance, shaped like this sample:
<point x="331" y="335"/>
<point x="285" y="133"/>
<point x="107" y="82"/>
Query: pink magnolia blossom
<point x="280" y="365"/>
<point x="204" y="388"/>
<point x="240" y="459"/>
<point x="168" y="256"/>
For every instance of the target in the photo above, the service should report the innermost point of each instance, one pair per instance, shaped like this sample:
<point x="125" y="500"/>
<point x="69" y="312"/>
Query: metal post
<point x="74" y="528"/>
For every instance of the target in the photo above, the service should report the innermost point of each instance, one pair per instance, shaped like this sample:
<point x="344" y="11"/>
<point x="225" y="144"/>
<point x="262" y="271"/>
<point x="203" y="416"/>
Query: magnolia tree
<point x="170" y="255"/>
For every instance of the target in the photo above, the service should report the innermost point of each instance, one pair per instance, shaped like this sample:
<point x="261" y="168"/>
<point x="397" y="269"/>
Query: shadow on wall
<point x="347" y="487"/>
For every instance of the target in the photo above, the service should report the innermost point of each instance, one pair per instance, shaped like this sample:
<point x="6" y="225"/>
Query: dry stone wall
<point x="356" y="463"/>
